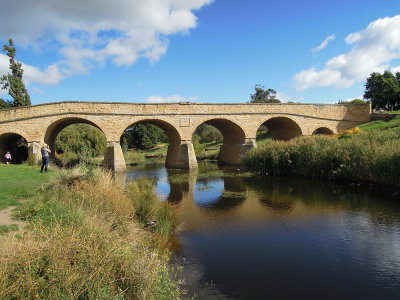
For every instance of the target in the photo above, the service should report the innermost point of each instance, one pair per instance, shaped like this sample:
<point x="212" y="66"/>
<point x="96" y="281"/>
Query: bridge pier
<point x="34" y="149"/>
<point x="114" y="158"/>
<point x="230" y="154"/>
<point x="181" y="156"/>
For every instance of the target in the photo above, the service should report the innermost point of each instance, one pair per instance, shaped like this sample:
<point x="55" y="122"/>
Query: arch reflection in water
<point x="222" y="194"/>
<point x="251" y="199"/>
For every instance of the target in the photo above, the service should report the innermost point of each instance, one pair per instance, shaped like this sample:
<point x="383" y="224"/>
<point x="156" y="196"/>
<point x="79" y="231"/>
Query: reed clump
<point x="372" y="156"/>
<point x="148" y="207"/>
<point x="86" y="242"/>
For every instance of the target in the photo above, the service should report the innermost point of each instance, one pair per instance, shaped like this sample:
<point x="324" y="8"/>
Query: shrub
<point x="31" y="161"/>
<point x="365" y="156"/>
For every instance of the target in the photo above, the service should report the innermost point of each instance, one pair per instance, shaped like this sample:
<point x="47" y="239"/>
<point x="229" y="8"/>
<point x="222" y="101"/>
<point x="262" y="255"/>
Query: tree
<point x="354" y="101"/>
<point x="263" y="96"/>
<point x="5" y="104"/>
<point x="383" y="90"/>
<point x="208" y="134"/>
<point x="13" y="82"/>
<point x="142" y="136"/>
<point x="81" y="138"/>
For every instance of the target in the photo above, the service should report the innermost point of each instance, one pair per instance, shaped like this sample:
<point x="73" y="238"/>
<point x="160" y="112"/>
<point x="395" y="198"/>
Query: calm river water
<point x="281" y="238"/>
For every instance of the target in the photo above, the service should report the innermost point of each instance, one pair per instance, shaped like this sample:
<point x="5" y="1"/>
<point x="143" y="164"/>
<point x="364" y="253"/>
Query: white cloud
<point x="170" y="99"/>
<point x="51" y="75"/>
<point x="372" y="51"/>
<point x="88" y="33"/>
<point x="286" y="98"/>
<point x="324" y="43"/>
<point x="4" y="64"/>
<point x="396" y="69"/>
<point x="351" y="99"/>
<point x="36" y="90"/>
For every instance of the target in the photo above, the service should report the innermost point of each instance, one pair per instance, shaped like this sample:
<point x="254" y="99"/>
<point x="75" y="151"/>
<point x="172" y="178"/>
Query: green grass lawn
<point x="19" y="182"/>
<point x="263" y="137"/>
<point x="139" y="156"/>
<point x="393" y="124"/>
<point x="395" y="112"/>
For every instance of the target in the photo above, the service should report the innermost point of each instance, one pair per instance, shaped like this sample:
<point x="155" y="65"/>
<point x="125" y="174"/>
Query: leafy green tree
<point x="354" y="101"/>
<point x="398" y="77"/>
<point x="13" y="82"/>
<point x="262" y="95"/>
<point x="383" y="90"/>
<point x="4" y="104"/>
<point x="81" y="138"/>
<point x="143" y="136"/>
<point x="357" y="101"/>
<point x="208" y="134"/>
<point x="199" y="148"/>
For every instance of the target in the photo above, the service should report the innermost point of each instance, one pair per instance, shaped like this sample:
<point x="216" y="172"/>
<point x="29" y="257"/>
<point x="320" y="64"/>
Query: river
<point x="245" y="237"/>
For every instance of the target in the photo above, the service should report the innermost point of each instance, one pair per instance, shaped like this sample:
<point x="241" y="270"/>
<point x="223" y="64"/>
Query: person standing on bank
<point x="8" y="157"/>
<point x="45" y="150"/>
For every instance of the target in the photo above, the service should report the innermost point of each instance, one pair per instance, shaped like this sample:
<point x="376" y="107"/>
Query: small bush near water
<point x="85" y="242"/>
<point x="363" y="157"/>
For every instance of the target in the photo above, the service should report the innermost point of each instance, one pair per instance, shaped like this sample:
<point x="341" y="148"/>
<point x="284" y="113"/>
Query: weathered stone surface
<point x="238" y="122"/>
<point x="114" y="158"/>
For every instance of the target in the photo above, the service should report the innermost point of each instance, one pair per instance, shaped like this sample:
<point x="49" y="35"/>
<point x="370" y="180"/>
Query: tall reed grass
<point x="87" y="242"/>
<point x="366" y="156"/>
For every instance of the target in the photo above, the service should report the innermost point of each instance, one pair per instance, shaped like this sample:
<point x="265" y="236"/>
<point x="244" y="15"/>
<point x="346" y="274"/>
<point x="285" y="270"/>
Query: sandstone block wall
<point x="238" y="123"/>
<point x="36" y="122"/>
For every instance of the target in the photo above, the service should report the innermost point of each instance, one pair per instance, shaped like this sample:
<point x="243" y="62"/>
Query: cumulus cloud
<point x="373" y="49"/>
<point x="88" y="33"/>
<point x="50" y="75"/>
<point x="287" y="98"/>
<point x="396" y="69"/>
<point x="170" y="99"/>
<point x="324" y="43"/>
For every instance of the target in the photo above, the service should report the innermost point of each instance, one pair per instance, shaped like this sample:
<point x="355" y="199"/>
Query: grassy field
<point x="19" y="182"/>
<point x="370" y="154"/>
<point x="139" y="156"/>
<point x="395" y="112"/>
<point x="263" y="138"/>
<point x="392" y="125"/>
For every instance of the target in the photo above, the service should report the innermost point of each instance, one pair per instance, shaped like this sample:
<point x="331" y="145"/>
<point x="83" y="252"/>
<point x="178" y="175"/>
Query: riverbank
<point x="86" y="241"/>
<point x="370" y="154"/>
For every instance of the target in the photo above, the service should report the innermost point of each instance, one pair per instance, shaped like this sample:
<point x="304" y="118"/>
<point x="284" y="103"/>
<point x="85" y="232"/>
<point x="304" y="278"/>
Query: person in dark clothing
<point x="45" y="150"/>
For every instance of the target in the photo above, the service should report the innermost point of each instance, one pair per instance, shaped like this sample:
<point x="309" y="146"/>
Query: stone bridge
<point x="238" y="124"/>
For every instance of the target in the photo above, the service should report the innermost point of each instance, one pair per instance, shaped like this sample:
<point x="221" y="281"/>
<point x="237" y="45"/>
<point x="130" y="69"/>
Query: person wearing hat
<point x="45" y="150"/>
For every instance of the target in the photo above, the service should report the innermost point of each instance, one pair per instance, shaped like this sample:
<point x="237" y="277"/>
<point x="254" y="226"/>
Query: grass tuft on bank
<point x="372" y="155"/>
<point x="86" y="241"/>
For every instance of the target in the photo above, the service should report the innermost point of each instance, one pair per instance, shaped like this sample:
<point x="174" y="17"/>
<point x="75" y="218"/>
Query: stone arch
<point x="174" y="139"/>
<point x="234" y="139"/>
<point x="54" y="129"/>
<point x="283" y="128"/>
<point x="16" y="143"/>
<point x="322" y="131"/>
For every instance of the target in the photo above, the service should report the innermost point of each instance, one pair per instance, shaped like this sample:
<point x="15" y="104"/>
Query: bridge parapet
<point x="358" y="113"/>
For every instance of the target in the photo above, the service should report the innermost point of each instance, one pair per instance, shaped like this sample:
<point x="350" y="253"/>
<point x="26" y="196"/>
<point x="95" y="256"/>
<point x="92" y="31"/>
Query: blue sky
<point x="200" y="50"/>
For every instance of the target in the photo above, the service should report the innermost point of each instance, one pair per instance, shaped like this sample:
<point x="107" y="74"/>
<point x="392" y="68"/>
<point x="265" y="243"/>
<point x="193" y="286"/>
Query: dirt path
<point x="7" y="219"/>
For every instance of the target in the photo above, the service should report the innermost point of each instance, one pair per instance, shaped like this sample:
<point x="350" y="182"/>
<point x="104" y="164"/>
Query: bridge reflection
<point x="216" y="202"/>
